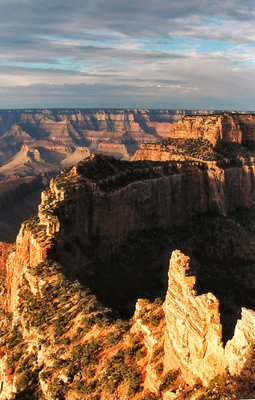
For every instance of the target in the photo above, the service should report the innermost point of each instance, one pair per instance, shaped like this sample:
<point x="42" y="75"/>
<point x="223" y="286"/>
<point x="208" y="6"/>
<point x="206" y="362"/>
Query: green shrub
<point x="85" y="388"/>
<point x="112" y="338"/>
<point x="158" y="353"/>
<point x="158" y="301"/>
<point x="15" y="337"/>
<point x="91" y="373"/>
<point x="134" y="380"/>
<point x="168" y="379"/>
<point x="26" y="379"/>
<point x="58" y="389"/>
<point x="159" y="369"/>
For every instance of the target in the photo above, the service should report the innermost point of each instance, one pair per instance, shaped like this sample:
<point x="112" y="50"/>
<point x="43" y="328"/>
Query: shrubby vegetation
<point x="74" y="330"/>
<point x="168" y="379"/>
<point x="195" y="148"/>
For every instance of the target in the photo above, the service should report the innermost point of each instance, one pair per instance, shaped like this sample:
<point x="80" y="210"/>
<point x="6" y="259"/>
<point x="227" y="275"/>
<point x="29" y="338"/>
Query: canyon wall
<point x="214" y="129"/>
<point x="194" y="333"/>
<point x="33" y="142"/>
<point x="89" y="223"/>
<point x="116" y="132"/>
<point x="90" y="210"/>
<point x="94" y="222"/>
<point x="218" y="128"/>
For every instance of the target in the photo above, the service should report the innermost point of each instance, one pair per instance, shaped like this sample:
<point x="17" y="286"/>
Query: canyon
<point x="136" y="279"/>
<point x="40" y="143"/>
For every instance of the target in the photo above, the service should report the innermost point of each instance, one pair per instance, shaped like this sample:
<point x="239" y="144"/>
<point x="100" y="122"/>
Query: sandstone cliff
<point x="224" y="127"/>
<point x="126" y="129"/>
<point x="33" y="142"/>
<point x="64" y="340"/>
<point x="194" y="332"/>
<point x="213" y="130"/>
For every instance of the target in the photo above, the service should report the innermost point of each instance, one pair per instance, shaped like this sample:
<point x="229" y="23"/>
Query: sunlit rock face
<point x="238" y="350"/>
<point x="92" y="209"/>
<point x="215" y="129"/>
<point x="193" y="339"/>
<point x="193" y="329"/>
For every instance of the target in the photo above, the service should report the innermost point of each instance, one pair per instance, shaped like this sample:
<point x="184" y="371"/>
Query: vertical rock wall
<point x="193" y="330"/>
<point x="194" y="333"/>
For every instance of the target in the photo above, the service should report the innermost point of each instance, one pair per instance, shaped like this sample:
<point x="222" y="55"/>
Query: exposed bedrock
<point x="90" y="218"/>
<point x="90" y="226"/>
<point x="113" y="225"/>
<point x="194" y="332"/>
<point x="94" y="223"/>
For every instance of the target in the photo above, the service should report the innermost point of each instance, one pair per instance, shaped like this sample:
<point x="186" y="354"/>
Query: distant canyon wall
<point x="117" y="132"/>
<point x="216" y="129"/>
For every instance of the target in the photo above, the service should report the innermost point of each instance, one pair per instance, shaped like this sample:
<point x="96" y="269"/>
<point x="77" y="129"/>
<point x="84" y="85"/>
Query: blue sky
<point x="136" y="53"/>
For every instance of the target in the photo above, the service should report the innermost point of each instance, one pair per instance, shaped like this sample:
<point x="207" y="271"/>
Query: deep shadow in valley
<point x="137" y="270"/>
<point x="222" y="258"/>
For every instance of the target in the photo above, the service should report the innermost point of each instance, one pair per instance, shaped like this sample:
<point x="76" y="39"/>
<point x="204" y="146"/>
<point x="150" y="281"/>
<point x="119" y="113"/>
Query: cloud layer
<point x="140" y="53"/>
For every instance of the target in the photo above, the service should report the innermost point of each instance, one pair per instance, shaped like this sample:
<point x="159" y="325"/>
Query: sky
<point x="196" y="54"/>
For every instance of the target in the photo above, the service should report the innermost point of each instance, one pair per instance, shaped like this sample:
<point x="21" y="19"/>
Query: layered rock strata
<point x="194" y="332"/>
<point x="216" y="130"/>
<point x="90" y="214"/>
<point x="141" y="196"/>
<point x="33" y="142"/>
<point x="87" y="213"/>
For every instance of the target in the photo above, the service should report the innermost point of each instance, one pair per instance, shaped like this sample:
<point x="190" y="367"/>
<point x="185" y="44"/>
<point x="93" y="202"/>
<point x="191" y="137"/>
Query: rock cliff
<point x="103" y="234"/>
<point x="215" y="130"/>
<point x="33" y="142"/>
<point x="218" y="128"/>
<point x="194" y="332"/>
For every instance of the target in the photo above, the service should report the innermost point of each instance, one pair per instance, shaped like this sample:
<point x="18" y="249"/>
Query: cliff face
<point x="69" y="342"/>
<point x="217" y="128"/>
<point x="194" y="332"/>
<point x="126" y="129"/>
<point x="106" y="216"/>
<point x="84" y="127"/>
<point x="103" y="202"/>
<point x="214" y="129"/>
<point x="35" y="142"/>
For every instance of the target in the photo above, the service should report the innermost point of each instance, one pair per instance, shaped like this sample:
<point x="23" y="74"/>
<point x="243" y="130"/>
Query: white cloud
<point x="190" y="52"/>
